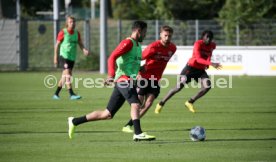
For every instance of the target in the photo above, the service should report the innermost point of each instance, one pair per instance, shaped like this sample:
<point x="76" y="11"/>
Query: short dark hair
<point x="166" y="28"/>
<point x="208" y="32"/>
<point x="139" y="25"/>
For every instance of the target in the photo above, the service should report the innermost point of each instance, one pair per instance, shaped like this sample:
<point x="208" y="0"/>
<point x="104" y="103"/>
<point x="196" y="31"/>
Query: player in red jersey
<point x="123" y="67"/>
<point x="156" y="55"/>
<point x="195" y="69"/>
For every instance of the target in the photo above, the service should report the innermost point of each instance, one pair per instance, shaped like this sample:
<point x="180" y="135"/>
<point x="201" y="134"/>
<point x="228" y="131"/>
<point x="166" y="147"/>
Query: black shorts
<point x="146" y="86"/>
<point x="66" y="64"/>
<point x="122" y="91"/>
<point x="188" y="73"/>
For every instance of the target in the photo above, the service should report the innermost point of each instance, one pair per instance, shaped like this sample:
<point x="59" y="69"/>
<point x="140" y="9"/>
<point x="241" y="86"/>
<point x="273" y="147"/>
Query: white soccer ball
<point x="197" y="133"/>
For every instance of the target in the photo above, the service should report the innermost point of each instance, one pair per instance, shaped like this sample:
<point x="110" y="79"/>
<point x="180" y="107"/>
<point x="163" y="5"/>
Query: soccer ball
<point x="197" y="133"/>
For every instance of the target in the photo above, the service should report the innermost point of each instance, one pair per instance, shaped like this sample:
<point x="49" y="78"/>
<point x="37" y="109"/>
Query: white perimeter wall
<point x="246" y="60"/>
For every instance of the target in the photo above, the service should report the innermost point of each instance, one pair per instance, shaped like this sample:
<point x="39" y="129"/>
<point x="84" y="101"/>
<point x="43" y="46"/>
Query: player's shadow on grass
<point x="57" y="132"/>
<point x="217" y="140"/>
<point x="210" y="140"/>
<point x="218" y="129"/>
<point x="241" y="139"/>
<point x="163" y="142"/>
<point x="234" y="112"/>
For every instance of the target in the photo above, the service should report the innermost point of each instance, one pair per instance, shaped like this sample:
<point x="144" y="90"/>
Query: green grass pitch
<point x="240" y="123"/>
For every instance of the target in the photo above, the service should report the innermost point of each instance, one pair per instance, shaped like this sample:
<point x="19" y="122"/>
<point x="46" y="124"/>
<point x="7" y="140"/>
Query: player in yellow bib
<point x="67" y="41"/>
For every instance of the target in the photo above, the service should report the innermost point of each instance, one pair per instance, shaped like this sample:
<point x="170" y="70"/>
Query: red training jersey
<point x="157" y="57"/>
<point x="61" y="35"/>
<point x="202" y="53"/>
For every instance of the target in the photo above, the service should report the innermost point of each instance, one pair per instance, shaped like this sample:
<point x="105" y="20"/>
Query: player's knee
<point x="208" y="84"/>
<point x="66" y="76"/>
<point x="135" y="106"/>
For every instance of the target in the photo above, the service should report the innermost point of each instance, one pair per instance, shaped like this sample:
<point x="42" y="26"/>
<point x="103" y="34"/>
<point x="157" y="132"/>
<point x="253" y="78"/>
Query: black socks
<point x="130" y="123"/>
<point x="79" y="120"/>
<point x="58" y="90"/>
<point x="71" y="92"/>
<point x="191" y="100"/>
<point x="137" y="126"/>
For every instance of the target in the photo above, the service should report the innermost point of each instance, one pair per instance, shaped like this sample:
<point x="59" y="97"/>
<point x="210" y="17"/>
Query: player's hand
<point x="85" y="52"/>
<point x="55" y="62"/>
<point x="109" y="80"/>
<point x="138" y="77"/>
<point x="217" y="66"/>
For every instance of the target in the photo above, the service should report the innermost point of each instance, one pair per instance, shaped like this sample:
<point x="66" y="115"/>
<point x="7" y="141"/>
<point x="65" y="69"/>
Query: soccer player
<point x="195" y="69"/>
<point x="66" y="45"/>
<point x="127" y="57"/>
<point x="156" y="56"/>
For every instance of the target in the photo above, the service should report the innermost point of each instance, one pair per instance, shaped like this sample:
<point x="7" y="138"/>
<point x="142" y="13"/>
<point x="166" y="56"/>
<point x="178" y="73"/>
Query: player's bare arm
<point x="84" y="50"/>
<point x="56" y="53"/>
<point x="217" y="66"/>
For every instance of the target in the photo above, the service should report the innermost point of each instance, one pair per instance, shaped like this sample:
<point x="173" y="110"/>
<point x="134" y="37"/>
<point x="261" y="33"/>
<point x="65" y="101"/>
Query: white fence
<point x="250" y="60"/>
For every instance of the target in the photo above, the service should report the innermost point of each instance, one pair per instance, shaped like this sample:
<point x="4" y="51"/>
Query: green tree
<point x="236" y="12"/>
<point x="191" y="9"/>
<point x="29" y="8"/>
<point x="141" y="9"/>
<point x="166" y="9"/>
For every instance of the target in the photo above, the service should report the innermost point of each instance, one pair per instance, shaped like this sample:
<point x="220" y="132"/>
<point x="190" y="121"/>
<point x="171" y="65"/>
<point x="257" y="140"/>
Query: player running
<point x="127" y="57"/>
<point x="66" y="45"/>
<point x="157" y="55"/>
<point x="195" y="69"/>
